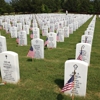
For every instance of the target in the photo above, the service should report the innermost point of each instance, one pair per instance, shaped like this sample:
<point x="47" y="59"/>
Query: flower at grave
<point x="69" y="85"/>
<point x="31" y="52"/>
<point x="46" y="42"/>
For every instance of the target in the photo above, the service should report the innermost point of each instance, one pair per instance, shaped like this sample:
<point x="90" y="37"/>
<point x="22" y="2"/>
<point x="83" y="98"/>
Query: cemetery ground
<point x="42" y="79"/>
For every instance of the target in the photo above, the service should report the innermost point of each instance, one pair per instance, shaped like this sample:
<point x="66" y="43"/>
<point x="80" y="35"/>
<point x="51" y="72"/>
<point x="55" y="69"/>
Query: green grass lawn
<point x="42" y="79"/>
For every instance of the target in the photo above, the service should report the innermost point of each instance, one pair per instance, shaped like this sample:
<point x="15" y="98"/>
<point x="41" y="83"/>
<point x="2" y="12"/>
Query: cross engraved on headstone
<point x="82" y="47"/>
<point x="75" y="67"/>
<point x="51" y="34"/>
<point x="6" y="56"/>
<point x="36" y="41"/>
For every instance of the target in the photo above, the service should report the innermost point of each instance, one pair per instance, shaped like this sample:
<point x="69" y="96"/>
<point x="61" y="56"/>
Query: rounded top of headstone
<point x="2" y="37"/>
<point x="76" y="62"/>
<point x="9" y="52"/>
<point x="84" y="44"/>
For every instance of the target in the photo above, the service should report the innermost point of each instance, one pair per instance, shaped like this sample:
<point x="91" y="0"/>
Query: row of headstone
<point x="60" y="22"/>
<point x="83" y="49"/>
<point x="15" y="24"/>
<point x="76" y="71"/>
<point x="64" y="25"/>
<point x="44" y="19"/>
<point x="10" y="64"/>
<point x="51" y="39"/>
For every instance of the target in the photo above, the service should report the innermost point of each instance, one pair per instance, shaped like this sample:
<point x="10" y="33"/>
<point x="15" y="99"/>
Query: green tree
<point x="2" y="6"/>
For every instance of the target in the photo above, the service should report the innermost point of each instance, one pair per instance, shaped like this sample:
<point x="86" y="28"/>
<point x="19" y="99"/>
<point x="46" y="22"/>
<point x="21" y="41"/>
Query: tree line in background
<point x="50" y="6"/>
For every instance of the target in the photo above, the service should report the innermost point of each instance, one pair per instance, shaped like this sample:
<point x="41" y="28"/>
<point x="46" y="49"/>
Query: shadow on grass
<point x="59" y="97"/>
<point x="30" y="60"/>
<point x="71" y="58"/>
<point x="16" y="45"/>
<point x="40" y="34"/>
<point x="45" y="48"/>
<point x="60" y="83"/>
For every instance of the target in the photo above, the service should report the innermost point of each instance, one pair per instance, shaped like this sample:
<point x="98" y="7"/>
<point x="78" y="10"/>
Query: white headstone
<point x="86" y="39"/>
<point x="52" y="40"/>
<point x="5" y="25"/>
<point x="26" y="28"/>
<point x="28" y="23"/>
<point x="71" y="28"/>
<point x="36" y="33"/>
<point x="3" y="46"/>
<point x="66" y="31"/>
<point x="22" y="38"/>
<point x="74" y="26"/>
<point x="19" y="26"/>
<point x="13" y="31"/>
<point x="83" y="52"/>
<point x="89" y="32"/>
<point x="56" y="25"/>
<point x="60" y="24"/>
<point x="8" y="28"/>
<point x="38" y="48"/>
<point x="14" y="23"/>
<point x="60" y="35"/>
<point x="44" y="30"/>
<point x="35" y="24"/>
<point x="77" y="71"/>
<point x="66" y="22"/>
<point x="90" y="28"/>
<point x="51" y="29"/>
<point x="9" y="67"/>
<point x="77" y="26"/>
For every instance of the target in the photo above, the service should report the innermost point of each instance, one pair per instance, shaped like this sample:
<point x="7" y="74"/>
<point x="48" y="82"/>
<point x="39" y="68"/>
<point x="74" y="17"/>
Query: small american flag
<point x="57" y="36"/>
<point x="46" y="42"/>
<point x="60" y="25"/>
<point x="50" y="29"/>
<point x="80" y="56"/>
<point x="69" y="85"/>
<point x="86" y="39"/>
<point x="31" y="28"/>
<point x="0" y="27"/>
<point x="17" y="40"/>
<point x="31" y="52"/>
<point x="31" y="35"/>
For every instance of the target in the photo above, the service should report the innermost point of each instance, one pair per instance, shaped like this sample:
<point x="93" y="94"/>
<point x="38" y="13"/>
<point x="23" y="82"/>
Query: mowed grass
<point x="42" y="79"/>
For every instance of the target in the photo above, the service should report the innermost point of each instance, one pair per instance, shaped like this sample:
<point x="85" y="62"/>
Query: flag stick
<point x="17" y="44"/>
<point x="73" y="87"/>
